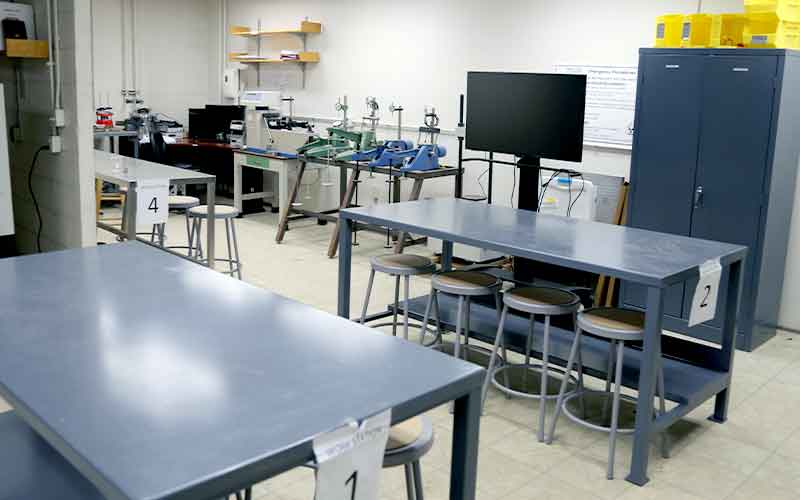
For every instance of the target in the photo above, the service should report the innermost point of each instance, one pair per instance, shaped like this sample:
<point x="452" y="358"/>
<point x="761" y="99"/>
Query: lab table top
<point x="156" y="377"/>
<point x="645" y="257"/>
<point x="119" y="169"/>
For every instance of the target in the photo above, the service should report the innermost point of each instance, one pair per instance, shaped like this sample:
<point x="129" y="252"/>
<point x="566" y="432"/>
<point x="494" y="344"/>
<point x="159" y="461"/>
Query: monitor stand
<point x="525" y="270"/>
<point x="528" y="199"/>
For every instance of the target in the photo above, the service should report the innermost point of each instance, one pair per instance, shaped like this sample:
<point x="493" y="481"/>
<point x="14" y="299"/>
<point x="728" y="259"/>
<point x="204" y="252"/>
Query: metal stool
<point x="408" y="443"/>
<point x="397" y="265"/>
<point x="547" y="302"/>
<point x="464" y="285"/>
<point x="618" y="326"/>
<point x="176" y="204"/>
<point x="228" y="214"/>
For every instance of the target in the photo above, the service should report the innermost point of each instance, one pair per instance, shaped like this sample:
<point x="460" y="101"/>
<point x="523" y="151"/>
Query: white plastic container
<point x="564" y="197"/>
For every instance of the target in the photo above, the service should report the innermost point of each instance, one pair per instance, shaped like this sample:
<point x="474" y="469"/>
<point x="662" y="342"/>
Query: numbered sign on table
<point x="350" y="459"/>
<point x="152" y="202"/>
<point x="704" y="302"/>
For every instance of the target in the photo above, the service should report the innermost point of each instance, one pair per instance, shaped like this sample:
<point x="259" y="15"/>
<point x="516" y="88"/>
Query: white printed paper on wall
<point x="610" y="103"/>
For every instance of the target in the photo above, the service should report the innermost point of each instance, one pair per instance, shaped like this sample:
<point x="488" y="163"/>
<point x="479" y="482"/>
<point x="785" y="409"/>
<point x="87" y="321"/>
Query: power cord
<point x="33" y="197"/>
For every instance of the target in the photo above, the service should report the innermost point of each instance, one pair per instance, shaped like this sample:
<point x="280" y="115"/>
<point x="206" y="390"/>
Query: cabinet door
<point x="736" y="129"/>
<point x="665" y="155"/>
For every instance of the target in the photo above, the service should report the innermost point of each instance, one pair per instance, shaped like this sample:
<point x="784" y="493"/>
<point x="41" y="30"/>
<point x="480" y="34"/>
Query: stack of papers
<point x="290" y="55"/>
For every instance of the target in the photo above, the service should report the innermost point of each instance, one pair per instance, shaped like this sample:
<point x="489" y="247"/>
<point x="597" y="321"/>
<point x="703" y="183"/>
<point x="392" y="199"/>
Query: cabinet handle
<point x="698" y="197"/>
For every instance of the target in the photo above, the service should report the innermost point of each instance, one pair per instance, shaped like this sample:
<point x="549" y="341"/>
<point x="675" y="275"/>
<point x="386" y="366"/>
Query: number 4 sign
<point x="152" y="202"/>
<point x="704" y="302"/>
<point x="350" y="459"/>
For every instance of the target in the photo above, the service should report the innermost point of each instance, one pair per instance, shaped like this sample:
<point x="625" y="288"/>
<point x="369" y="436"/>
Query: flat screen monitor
<point x="526" y="114"/>
<point x="198" y="126"/>
<point x="220" y="116"/>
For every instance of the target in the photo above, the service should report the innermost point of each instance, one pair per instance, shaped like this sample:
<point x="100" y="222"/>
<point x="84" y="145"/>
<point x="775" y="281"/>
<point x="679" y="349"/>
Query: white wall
<point x="63" y="183"/>
<point x="418" y="52"/>
<point x="177" y="53"/>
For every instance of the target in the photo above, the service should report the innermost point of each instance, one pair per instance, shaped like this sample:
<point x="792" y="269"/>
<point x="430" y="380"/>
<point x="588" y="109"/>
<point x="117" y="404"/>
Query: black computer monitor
<point x="198" y="126"/>
<point x="220" y="116"/>
<point x="526" y="114"/>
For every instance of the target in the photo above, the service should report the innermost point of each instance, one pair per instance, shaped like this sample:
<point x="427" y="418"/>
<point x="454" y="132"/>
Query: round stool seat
<point x="466" y="283"/>
<point x="408" y="441"/>
<point x="542" y="300"/>
<point x="613" y="323"/>
<point x="220" y="212"/>
<point x="402" y="264"/>
<point x="182" y="202"/>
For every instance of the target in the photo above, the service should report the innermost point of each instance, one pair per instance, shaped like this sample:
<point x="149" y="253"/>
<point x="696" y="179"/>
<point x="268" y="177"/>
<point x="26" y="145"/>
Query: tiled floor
<point x="756" y="454"/>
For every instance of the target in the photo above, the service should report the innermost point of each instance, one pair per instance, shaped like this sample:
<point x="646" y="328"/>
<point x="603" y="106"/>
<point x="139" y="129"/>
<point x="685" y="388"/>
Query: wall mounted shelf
<point x="245" y="58"/>
<point x="306" y="27"/>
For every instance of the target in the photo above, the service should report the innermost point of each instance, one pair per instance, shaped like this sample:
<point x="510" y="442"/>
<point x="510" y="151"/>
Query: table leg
<point x="466" y="426"/>
<point x="345" y="202"/>
<point x="135" y="147"/>
<point x="416" y="191"/>
<point x="211" y="200"/>
<point x="98" y="196"/>
<point x="237" y="185"/>
<point x="283" y="185"/>
<point x="342" y="182"/>
<point x="131" y="204"/>
<point x="116" y="144"/>
<point x="732" y="295"/>
<point x="647" y="385"/>
<point x="283" y="226"/>
<point x="447" y="256"/>
<point x="345" y="236"/>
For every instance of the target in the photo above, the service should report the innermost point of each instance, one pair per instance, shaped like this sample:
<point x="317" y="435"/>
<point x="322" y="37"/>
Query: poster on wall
<point x="610" y="103"/>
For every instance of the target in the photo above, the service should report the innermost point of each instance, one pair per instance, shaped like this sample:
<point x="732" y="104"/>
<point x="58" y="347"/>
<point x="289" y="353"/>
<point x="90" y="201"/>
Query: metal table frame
<point x="406" y="217"/>
<point x="177" y="177"/>
<point x="347" y="191"/>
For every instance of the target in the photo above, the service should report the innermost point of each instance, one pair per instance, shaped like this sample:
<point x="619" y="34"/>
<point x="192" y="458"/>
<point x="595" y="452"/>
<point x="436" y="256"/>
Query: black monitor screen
<point x="220" y="116"/>
<point x="526" y="114"/>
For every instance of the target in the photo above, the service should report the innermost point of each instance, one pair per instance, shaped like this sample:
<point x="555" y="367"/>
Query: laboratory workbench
<point x="348" y="190"/>
<point x="129" y="172"/>
<point x="694" y="372"/>
<point x="228" y="393"/>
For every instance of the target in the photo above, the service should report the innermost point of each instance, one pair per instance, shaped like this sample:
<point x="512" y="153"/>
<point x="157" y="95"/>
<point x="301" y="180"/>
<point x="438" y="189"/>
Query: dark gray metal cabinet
<point x="715" y="156"/>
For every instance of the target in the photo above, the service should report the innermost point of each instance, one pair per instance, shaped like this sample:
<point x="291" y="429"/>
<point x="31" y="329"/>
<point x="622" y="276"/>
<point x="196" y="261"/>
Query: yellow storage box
<point x="668" y="30"/>
<point x="766" y="31"/>
<point x="785" y="10"/>
<point x="696" y="30"/>
<point x="727" y="30"/>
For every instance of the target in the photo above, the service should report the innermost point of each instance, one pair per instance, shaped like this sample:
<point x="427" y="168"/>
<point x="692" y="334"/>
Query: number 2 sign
<point x="152" y="202"/>
<point x="704" y="302"/>
<point x="350" y="459"/>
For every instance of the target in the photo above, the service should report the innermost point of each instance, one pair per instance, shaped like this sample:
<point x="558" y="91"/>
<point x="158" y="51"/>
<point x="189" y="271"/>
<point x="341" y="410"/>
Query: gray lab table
<point x="654" y="260"/>
<point x="126" y="171"/>
<point x="150" y="404"/>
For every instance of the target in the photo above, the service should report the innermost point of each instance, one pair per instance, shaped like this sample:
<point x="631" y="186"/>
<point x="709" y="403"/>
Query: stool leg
<point x="457" y="348"/>
<point x="188" y="233"/>
<point x="498" y="340"/>
<point x="366" y="298"/>
<point x="543" y="390"/>
<point x="236" y="249"/>
<point x="609" y="375"/>
<point x="162" y="233"/>
<point x="562" y="392"/>
<point x="528" y="347"/>
<point x="612" y="437"/>
<point x="426" y="317"/>
<point x="396" y="304"/>
<point x="467" y="311"/>
<point x="199" y="238"/>
<point x="153" y="233"/>
<point x="228" y="241"/>
<point x="438" y="316"/>
<point x="417" y="480"/>
<point x="409" y="481"/>
<point x="581" y="399"/>
<point x="499" y="305"/>
<point x="406" y="286"/>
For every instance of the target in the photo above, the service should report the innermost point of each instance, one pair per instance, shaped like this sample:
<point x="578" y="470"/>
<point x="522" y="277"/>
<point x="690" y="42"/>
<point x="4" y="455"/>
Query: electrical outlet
<point x="55" y="144"/>
<point x="59" y="118"/>
<point x="16" y="134"/>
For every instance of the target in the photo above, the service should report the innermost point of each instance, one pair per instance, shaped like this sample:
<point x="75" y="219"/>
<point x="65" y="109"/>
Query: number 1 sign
<point x="350" y="459"/>
<point x="152" y="202"/>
